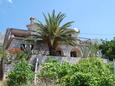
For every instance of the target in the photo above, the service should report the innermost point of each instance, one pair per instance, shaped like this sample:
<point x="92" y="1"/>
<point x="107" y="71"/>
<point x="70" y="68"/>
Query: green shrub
<point x="78" y="79"/>
<point x="88" y="72"/>
<point x="110" y="66"/>
<point x="21" y="74"/>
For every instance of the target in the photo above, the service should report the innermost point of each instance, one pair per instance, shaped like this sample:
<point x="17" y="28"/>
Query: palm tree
<point x="53" y="32"/>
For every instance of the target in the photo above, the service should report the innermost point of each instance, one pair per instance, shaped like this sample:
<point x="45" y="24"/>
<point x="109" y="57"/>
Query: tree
<point x="53" y="32"/>
<point x="2" y="56"/>
<point x="89" y="48"/>
<point x="21" y="75"/>
<point x="1" y="63"/>
<point x="108" y="49"/>
<point x="94" y="48"/>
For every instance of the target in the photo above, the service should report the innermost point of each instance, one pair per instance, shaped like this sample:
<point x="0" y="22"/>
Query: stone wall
<point x="42" y="59"/>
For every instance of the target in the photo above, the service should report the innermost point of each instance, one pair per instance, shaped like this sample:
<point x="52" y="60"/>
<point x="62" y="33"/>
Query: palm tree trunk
<point x="1" y="69"/>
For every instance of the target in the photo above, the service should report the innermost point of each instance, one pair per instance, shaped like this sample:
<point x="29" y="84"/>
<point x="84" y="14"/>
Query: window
<point x="22" y="46"/>
<point x="26" y="46"/>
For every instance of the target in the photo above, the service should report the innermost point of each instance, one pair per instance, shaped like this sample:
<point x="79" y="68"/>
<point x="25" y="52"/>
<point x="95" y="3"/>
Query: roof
<point x="12" y="33"/>
<point x="20" y="33"/>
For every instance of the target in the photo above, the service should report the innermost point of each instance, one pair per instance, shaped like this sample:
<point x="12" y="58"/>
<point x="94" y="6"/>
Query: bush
<point x="78" y="79"/>
<point x="21" y="74"/>
<point x="88" y="72"/>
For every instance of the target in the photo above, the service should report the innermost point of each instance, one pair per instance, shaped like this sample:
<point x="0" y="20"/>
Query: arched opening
<point x="59" y="52"/>
<point x="75" y="52"/>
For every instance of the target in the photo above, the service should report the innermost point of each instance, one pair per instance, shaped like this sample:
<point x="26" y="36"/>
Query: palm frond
<point x="66" y="25"/>
<point x="60" y="17"/>
<point x="46" y="19"/>
<point x="53" y="32"/>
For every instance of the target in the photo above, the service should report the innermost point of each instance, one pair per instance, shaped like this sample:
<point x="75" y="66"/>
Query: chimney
<point x="32" y="20"/>
<point x="32" y="25"/>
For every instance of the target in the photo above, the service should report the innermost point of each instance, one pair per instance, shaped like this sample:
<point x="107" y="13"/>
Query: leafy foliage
<point x="22" y="55"/>
<point x="2" y="56"/>
<point x="1" y="52"/>
<point x="108" y="49"/>
<point x="21" y="74"/>
<point x="89" y="72"/>
<point x="94" y="47"/>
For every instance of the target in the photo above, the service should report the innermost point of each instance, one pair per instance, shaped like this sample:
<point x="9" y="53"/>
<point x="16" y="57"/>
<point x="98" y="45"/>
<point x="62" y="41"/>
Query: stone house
<point x="14" y="39"/>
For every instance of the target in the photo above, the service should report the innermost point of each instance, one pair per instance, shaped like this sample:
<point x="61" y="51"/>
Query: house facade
<point x="15" y="39"/>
